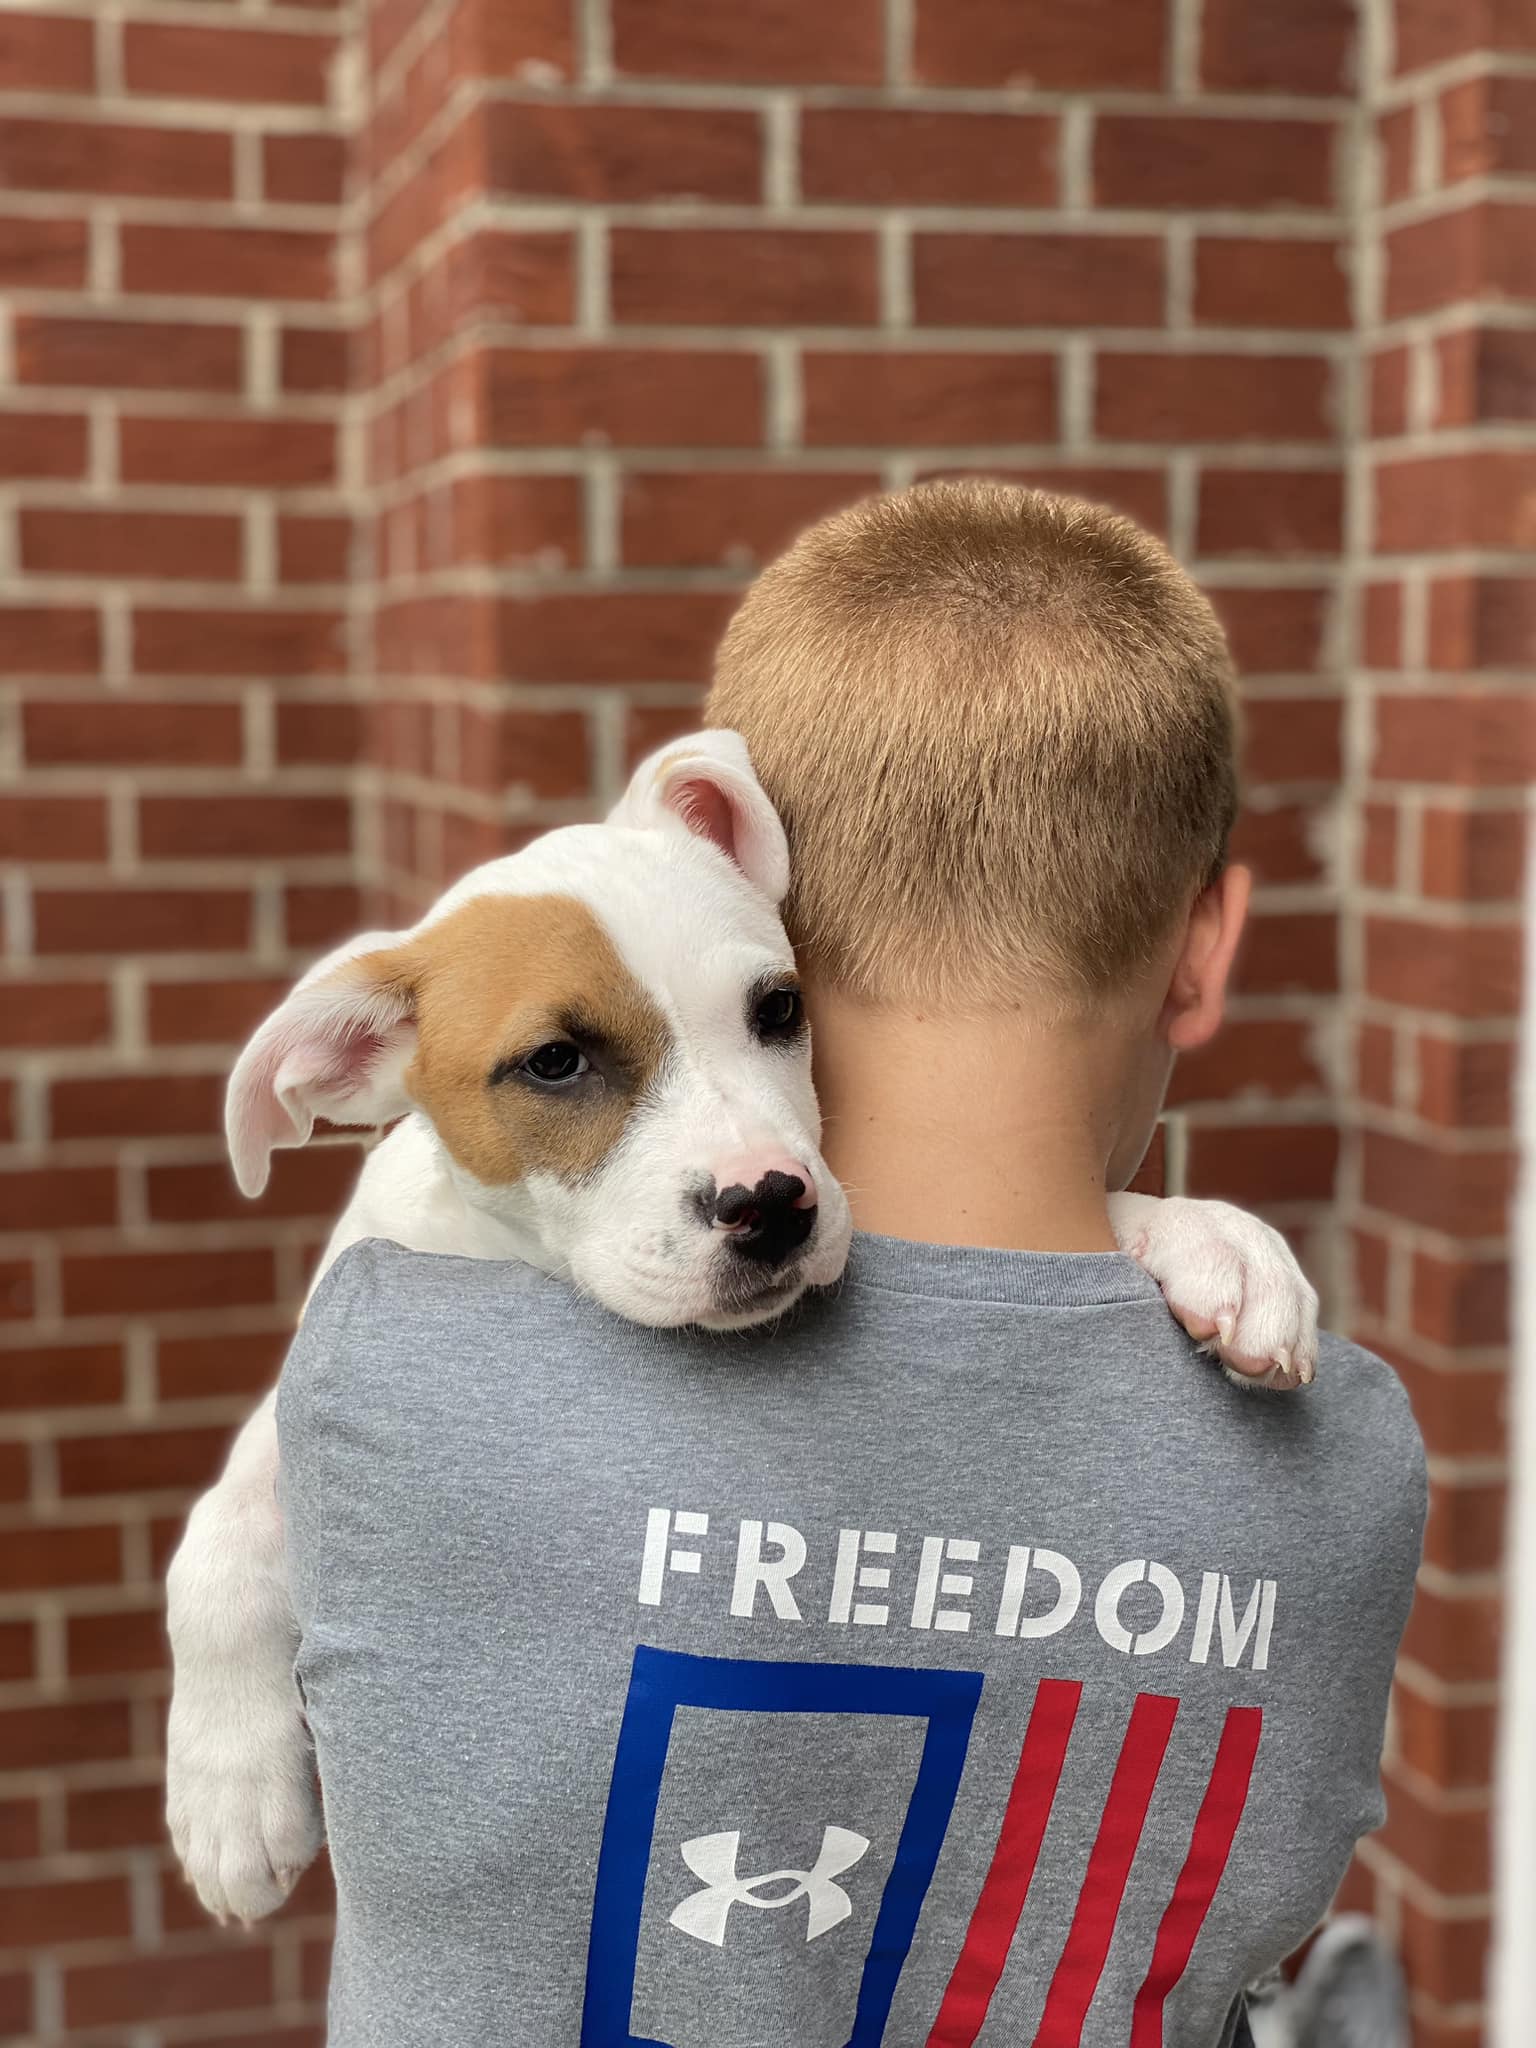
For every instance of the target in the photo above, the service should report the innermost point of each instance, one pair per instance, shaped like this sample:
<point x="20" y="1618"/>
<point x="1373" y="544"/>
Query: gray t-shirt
<point x="964" y="1661"/>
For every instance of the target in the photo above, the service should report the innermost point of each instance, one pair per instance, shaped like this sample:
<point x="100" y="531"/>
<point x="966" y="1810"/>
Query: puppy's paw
<point x="243" y="1806"/>
<point x="1231" y="1280"/>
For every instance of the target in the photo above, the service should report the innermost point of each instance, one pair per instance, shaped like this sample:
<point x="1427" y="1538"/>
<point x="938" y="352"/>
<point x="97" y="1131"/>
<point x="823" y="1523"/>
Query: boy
<point x="997" y="1671"/>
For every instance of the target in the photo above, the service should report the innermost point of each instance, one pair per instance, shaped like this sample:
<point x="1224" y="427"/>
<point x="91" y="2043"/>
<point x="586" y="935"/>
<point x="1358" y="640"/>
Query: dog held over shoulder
<point x="595" y="1061"/>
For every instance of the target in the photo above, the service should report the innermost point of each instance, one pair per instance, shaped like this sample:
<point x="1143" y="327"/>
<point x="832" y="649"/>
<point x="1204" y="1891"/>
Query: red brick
<point x="145" y="1283"/>
<point x="1444" y="1957"/>
<point x="613" y="636"/>
<point x="634" y="398"/>
<point x="238" y="643"/>
<point x="1461" y="971"/>
<point x="42" y="255"/>
<point x="113" y="919"/>
<point x="210" y="1012"/>
<point x="1447" y="1847"/>
<point x="1038" y="280"/>
<point x="16" y="2012"/>
<point x="117" y="732"/>
<point x="927" y="399"/>
<point x="1389" y="392"/>
<point x="1301" y="46"/>
<point x="200" y="546"/>
<point x="1279" y="842"/>
<point x="115" y="1817"/>
<point x="38" y="1738"/>
<point x="150" y="1461"/>
<point x="1292" y="739"/>
<point x="21" y="1832"/>
<point x="759" y="277"/>
<point x="1270" y="511"/>
<point x="193" y="1368"/>
<point x="1467" y="1087"/>
<point x="321" y="914"/>
<point x="47" y="1557"/>
<point x="1271" y="1058"/>
<point x="524" y="276"/>
<point x="1460" y="1410"/>
<point x="42" y="444"/>
<point x="52" y="640"/>
<point x="1175" y="160"/>
<point x="304" y="170"/>
<point x="55" y="1013"/>
<point x="1397" y="140"/>
<point x="1380" y="843"/>
<point x="1477" y="252"/>
<point x="314" y="359"/>
<point x="778" y="41"/>
<point x="251" y="65"/>
<point x="1274" y="632"/>
<point x="1467" y="1524"/>
<point x="57" y="1198"/>
<point x="18" y="1297"/>
<point x="1473" y="856"/>
<point x="893" y="156"/>
<point x="1472" y="739"/>
<point x="1486" y="129"/>
<point x="61" y="1375"/>
<point x="40" y="1914"/>
<point x="139" y="355"/>
<point x="138" y="1106"/>
<point x="1461" y="1303"/>
<point x="1289" y="952"/>
<point x="1095" y="44"/>
<point x="53" y="828"/>
<point x="1462" y="1193"/>
<point x="201" y="452"/>
<point x="285" y="827"/>
<point x="155" y="1987"/>
<point x="649" y="726"/>
<point x="15" y="1472"/>
<point x="1265" y="1165"/>
<point x="1213" y="397"/>
<point x="46" y="53"/>
<point x="118" y="158"/>
<point x="517" y="521"/>
<point x="1376" y="1064"/>
<point x="228" y="262"/>
<point x="727" y="518"/>
<point x="1480" y="498"/>
<point x="1241" y="281"/>
<point x="600" y="153"/>
<point x="314" y="549"/>
<point x="1429" y="31"/>
<point x="314" y="1182"/>
<point x="1381" y="625"/>
<point x="1484" y="622"/>
<point x="311" y="731"/>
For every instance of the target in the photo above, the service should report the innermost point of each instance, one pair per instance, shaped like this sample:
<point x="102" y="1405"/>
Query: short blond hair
<point x="1000" y="728"/>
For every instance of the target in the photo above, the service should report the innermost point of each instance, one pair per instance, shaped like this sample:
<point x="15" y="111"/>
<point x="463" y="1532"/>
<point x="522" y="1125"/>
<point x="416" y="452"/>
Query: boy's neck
<point x="985" y="1131"/>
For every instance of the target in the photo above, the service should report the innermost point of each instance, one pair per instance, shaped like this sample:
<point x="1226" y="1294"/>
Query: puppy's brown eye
<point x="778" y="1013"/>
<point x="554" y="1063"/>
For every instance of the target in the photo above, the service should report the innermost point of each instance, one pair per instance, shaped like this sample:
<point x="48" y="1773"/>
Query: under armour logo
<point x="713" y="1858"/>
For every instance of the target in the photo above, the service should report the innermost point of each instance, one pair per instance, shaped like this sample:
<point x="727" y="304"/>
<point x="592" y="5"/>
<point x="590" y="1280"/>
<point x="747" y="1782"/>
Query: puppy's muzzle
<point x="766" y="1219"/>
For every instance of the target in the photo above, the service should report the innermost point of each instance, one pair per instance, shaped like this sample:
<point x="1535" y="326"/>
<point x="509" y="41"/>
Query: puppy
<point x="595" y="1060"/>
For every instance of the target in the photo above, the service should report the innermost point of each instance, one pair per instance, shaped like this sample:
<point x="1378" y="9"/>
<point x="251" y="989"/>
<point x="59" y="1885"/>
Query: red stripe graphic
<point x="1209" y="1847"/>
<point x="996" y="1915"/>
<point x="1109" y="1868"/>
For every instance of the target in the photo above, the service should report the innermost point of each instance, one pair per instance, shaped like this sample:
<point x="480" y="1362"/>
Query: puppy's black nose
<point x="766" y="1222"/>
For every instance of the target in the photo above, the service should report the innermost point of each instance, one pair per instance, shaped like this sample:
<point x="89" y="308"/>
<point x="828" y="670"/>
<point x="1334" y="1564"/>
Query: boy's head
<point x="1000" y="728"/>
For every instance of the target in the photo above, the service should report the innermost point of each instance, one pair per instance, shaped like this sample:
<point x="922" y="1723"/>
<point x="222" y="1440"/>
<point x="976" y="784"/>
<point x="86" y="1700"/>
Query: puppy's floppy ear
<point x="338" y="1047"/>
<point x="705" y="784"/>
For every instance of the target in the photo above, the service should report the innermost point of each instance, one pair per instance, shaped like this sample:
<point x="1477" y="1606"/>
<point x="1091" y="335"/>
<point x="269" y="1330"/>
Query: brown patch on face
<point x="490" y="983"/>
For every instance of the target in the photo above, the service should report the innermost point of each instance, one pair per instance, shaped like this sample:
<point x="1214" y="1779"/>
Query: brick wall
<point x="445" y="367"/>
<point x="1441" y="755"/>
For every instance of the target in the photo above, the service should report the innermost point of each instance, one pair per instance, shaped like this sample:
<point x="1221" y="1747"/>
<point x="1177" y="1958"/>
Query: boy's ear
<point x="337" y="1047"/>
<point x="1197" y="994"/>
<point x="704" y="784"/>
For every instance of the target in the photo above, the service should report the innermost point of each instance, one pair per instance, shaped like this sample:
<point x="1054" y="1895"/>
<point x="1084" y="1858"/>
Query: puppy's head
<point x="605" y="1033"/>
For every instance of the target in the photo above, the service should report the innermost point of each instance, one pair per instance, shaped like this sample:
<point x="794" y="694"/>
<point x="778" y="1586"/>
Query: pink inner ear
<point x="707" y="811"/>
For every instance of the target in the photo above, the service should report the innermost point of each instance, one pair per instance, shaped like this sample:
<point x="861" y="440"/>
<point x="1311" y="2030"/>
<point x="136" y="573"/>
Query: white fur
<point x="695" y="930"/>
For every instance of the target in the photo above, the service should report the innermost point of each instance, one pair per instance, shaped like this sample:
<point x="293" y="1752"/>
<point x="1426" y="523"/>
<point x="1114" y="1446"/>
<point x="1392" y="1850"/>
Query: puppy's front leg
<point x="1232" y="1281"/>
<point x="240" y="1786"/>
